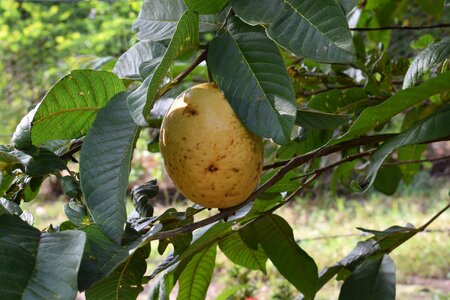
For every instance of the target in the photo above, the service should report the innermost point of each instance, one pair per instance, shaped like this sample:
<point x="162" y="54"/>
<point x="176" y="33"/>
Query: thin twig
<point x="418" y="161"/>
<point x="399" y="27"/>
<point x="337" y="163"/>
<point x="191" y="67"/>
<point x="311" y="93"/>
<point x="362" y="141"/>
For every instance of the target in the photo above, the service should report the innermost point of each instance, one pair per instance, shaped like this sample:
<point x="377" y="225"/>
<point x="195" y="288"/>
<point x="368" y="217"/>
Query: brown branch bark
<point x="399" y="27"/>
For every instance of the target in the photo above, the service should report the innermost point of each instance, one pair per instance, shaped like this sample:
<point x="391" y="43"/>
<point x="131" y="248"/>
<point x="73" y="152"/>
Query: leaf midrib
<point x="64" y="111"/>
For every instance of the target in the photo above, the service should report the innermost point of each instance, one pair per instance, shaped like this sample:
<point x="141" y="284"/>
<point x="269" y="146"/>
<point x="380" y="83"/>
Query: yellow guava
<point x="211" y="157"/>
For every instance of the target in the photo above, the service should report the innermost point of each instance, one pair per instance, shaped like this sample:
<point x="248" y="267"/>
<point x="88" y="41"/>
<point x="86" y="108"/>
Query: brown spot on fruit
<point x="212" y="168"/>
<point x="190" y="111"/>
<point x="229" y="194"/>
<point x="235" y="170"/>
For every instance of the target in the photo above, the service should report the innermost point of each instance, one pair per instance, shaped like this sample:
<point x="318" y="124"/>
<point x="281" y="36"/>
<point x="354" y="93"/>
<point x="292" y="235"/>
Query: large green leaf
<point x="196" y="276"/>
<point x="125" y="283"/>
<point x="373" y="280"/>
<point x="185" y="38"/>
<point x="309" y="28"/>
<point x="206" y="6"/>
<point x="38" y="265"/>
<point x="158" y="19"/>
<point x="277" y="239"/>
<point x="102" y="255"/>
<point x="70" y="107"/>
<point x="434" y="127"/>
<point x="248" y="68"/>
<point x="375" y="116"/>
<point x="431" y="56"/>
<point x="239" y="253"/>
<point x="128" y="64"/>
<point x="105" y="165"/>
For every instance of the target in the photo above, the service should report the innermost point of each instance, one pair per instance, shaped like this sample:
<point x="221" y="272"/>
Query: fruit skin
<point x="210" y="156"/>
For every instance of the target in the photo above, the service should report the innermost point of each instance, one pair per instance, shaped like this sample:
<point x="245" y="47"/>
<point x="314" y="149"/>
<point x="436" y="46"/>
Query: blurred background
<point x="41" y="41"/>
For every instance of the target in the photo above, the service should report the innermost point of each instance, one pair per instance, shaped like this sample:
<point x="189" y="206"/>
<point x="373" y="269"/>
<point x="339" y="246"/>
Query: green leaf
<point x="202" y="239"/>
<point x="22" y="135"/>
<point x="307" y="140"/>
<point x="184" y="38"/>
<point x="125" y="283"/>
<point x="277" y="239"/>
<point x="231" y="291"/>
<point x="44" y="162"/>
<point x="362" y="251"/>
<point x="6" y="179"/>
<point x="158" y="20"/>
<point x="434" y="127"/>
<point x="196" y="276"/>
<point x="76" y="213"/>
<point x="248" y="68"/>
<point x="391" y="238"/>
<point x="337" y="101"/>
<point x="128" y="64"/>
<point x="164" y="283"/>
<point x="373" y="280"/>
<point x="307" y="28"/>
<point x="206" y="6"/>
<point x="102" y="255"/>
<point x="433" y="7"/>
<point x="7" y="158"/>
<point x="141" y="195"/>
<point x="105" y="165"/>
<point x="10" y="207"/>
<point x="375" y="116"/>
<point x="431" y="56"/>
<point x="348" y="5"/>
<point x="70" y="187"/>
<point x="39" y="265"/>
<point x="319" y="120"/>
<point x="70" y="107"/>
<point x="387" y="180"/>
<point x="239" y="253"/>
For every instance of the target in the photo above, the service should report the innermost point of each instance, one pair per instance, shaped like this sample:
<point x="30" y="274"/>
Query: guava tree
<point x="332" y="87"/>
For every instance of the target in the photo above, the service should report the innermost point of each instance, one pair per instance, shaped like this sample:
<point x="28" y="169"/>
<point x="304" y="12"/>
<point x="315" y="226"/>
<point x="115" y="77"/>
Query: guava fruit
<point x="210" y="156"/>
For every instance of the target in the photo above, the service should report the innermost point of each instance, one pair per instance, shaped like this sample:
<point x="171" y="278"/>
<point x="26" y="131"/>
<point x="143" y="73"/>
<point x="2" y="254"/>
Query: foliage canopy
<point x="313" y="78"/>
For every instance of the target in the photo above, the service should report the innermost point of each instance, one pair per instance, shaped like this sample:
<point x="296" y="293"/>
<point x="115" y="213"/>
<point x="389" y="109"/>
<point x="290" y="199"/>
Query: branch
<point x="344" y="87"/>
<point x="191" y="67"/>
<point x="399" y="27"/>
<point x="286" y="167"/>
<point x="362" y="141"/>
<point x="418" y="161"/>
<point x="337" y="163"/>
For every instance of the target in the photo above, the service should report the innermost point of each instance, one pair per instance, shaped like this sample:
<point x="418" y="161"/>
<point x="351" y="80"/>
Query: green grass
<point x="422" y="263"/>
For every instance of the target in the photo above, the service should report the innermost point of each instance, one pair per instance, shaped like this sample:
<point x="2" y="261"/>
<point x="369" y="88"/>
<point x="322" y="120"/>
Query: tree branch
<point x="362" y="141"/>
<point x="399" y="27"/>
<point x="337" y="163"/>
<point x="286" y="167"/>
<point x="418" y="161"/>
